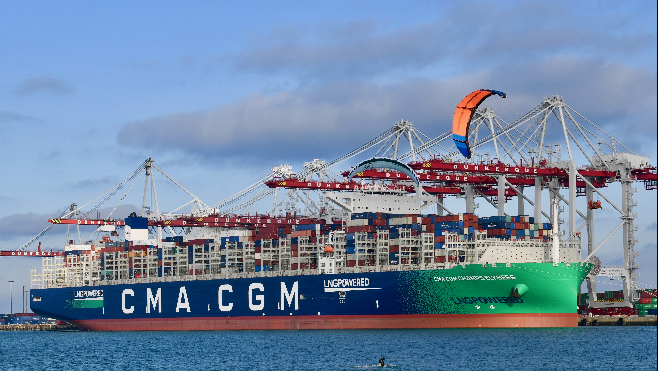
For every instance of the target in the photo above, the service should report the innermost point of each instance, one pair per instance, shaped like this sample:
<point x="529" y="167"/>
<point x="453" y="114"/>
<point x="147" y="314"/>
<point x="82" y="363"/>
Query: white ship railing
<point x="37" y="281"/>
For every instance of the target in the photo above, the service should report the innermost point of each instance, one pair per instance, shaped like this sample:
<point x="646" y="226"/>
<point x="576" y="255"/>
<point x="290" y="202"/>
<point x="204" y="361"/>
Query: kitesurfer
<point x="381" y="361"/>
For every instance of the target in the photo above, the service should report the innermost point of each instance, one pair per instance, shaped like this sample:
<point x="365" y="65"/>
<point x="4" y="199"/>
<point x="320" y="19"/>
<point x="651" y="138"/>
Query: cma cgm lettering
<point x="255" y="299"/>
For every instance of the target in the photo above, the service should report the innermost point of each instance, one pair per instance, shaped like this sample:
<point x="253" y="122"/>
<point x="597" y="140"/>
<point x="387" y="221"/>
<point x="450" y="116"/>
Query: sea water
<point x="582" y="348"/>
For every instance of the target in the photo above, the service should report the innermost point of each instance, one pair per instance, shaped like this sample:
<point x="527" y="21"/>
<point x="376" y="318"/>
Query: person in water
<point x="381" y="361"/>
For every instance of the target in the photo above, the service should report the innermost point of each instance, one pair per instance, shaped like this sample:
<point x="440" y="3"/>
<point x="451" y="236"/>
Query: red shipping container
<point x="257" y="262"/>
<point x="294" y="266"/>
<point x="351" y="263"/>
<point x="644" y="301"/>
<point x="393" y="248"/>
<point x="439" y="259"/>
<point x="361" y="228"/>
<point x="294" y="253"/>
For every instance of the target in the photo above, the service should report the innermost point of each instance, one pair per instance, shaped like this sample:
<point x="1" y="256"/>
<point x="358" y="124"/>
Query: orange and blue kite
<point x="463" y="115"/>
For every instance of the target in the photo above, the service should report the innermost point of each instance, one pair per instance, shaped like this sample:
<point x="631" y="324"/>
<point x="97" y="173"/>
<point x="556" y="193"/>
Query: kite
<point x="463" y="115"/>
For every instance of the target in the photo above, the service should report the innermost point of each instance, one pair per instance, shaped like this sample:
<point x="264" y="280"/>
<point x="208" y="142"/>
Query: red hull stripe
<point x="334" y="322"/>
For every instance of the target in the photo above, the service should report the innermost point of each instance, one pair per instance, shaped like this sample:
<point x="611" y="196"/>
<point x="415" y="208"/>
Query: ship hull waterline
<point x="418" y="321"/>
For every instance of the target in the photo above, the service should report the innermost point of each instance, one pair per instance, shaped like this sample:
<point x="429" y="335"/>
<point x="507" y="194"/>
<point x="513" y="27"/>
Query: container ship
<point x="369" y="255"/>
<point x="365" y="270"/>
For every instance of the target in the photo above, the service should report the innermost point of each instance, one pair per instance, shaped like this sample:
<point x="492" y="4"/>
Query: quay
<point x="617" y="321"/>
<point x="39" y="327"/>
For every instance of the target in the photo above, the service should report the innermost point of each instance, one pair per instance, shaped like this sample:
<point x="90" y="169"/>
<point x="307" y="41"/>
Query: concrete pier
<point x="39" y="327"/>
<point x="617" y="321"/>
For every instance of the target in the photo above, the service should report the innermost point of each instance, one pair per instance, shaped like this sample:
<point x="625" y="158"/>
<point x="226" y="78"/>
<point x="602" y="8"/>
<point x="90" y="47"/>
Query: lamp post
<point x="11" y="297"/>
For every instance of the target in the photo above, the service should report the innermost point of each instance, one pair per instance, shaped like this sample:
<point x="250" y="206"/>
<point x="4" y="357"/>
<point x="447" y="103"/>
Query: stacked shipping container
<point x="366" y="239"/>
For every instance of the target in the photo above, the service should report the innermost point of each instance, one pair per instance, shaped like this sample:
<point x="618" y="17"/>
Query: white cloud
<point x="333" y="118"/>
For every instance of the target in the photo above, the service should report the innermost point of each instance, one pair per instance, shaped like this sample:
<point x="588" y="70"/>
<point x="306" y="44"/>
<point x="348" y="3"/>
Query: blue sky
<point x="219" y="92"/>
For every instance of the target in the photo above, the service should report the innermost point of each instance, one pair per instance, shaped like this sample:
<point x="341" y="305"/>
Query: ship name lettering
<point x="289" y="296"/>
<point x="259" y="298"/>
<point x="153" y="301"/>
<point x="223" y="308"/>
<point x="123" y="301"/>
<point x="486" y="300"/>
<point x="501" y="277"/>
<point x="182" y="303"/>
